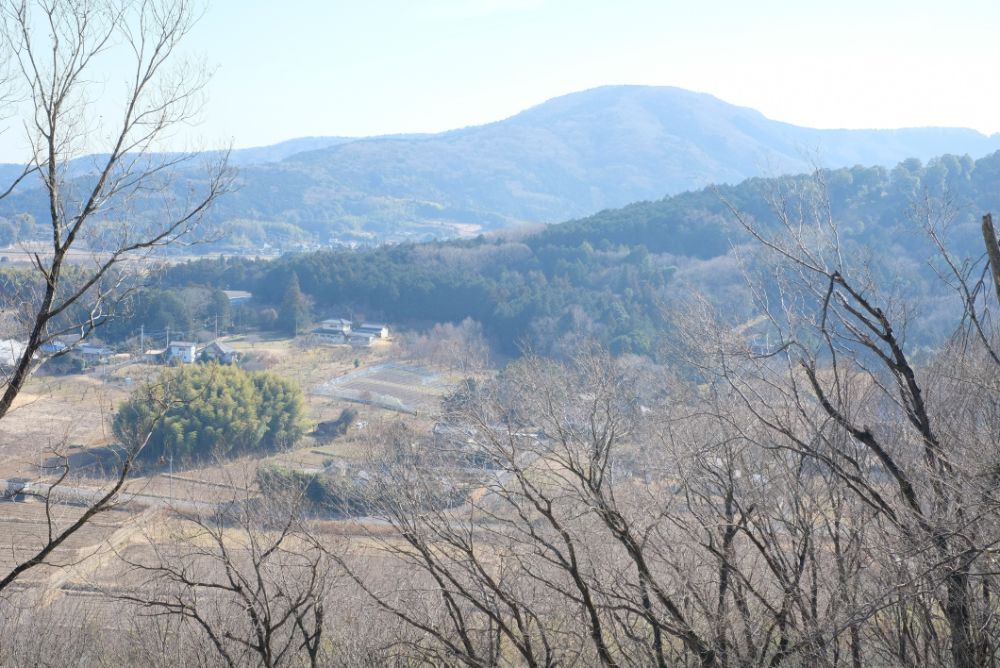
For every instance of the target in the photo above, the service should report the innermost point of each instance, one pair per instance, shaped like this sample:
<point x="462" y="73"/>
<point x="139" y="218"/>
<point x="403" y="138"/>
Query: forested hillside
<point x="614" y="275"/>
<point x="565" y="158"/>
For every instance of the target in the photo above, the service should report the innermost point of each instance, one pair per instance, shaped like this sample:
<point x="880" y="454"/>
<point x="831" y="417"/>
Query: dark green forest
<point x="612" y="276"/>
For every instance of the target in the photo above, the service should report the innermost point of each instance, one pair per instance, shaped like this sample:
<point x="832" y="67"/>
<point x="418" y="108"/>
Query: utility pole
<point x="142" y="340"/>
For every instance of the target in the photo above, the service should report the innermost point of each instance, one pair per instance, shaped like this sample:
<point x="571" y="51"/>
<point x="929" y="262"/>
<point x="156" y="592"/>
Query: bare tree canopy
<point x="823" y="495"/>
<point x="57" y="57"/>
<point x="57" y="49"/>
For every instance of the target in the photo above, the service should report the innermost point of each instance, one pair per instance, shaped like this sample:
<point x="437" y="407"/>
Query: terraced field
<point x="24" y="528"/>
<point x="392" y="385"/>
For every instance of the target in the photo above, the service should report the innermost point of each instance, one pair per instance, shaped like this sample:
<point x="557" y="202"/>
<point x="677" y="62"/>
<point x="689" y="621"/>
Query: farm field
<point x="397" y="386"/>
<point x="66" y="415"/>
<point x="24" y="527"/>
<point x="70" y="416"/>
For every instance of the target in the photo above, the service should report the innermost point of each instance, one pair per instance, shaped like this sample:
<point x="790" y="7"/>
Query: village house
<point x="237" y="297"/>
<point x="93" y="353"/>
<point x="53" y="347"/>
<point x="376" y="329"/>
<point x="333" y="330"/>
<point x="63" y="343"/>
<point x="216" y="351"/>
<point x="182" y="352"/>
<point x="361" y="339"/>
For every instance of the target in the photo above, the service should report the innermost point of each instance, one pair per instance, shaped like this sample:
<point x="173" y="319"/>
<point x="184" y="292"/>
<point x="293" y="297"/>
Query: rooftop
<point x="221" y="347"/>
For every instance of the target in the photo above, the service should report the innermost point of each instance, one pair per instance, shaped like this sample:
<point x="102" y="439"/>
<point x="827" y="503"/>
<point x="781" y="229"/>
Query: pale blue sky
<point x="309" y="67"/>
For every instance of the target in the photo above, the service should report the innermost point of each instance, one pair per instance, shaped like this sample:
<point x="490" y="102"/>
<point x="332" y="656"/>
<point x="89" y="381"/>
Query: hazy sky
<point x="336" y="67"/>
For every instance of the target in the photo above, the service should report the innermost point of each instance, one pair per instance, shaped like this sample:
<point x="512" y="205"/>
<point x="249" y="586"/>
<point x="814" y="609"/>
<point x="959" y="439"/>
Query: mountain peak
<point x="566" y="158"/>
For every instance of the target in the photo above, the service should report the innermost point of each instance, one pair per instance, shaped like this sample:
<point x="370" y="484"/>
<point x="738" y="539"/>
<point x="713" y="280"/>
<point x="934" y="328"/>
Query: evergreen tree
<point x="294" y="316"/>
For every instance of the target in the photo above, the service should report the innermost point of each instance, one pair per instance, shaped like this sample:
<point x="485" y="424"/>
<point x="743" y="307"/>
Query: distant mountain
<point x="277" y="152"/>
<point x="566" y="158"/>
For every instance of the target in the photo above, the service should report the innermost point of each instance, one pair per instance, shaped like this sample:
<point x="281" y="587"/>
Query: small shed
<point x="94" y="353"/>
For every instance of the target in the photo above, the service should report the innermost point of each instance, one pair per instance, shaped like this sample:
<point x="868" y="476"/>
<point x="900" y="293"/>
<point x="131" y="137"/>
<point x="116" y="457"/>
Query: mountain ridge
<point x="565" y="158"/>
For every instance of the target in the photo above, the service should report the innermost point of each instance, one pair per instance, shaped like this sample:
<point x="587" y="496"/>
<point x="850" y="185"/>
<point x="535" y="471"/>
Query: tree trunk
<point x="959" y="615"/>
<point x="992" y="250"/>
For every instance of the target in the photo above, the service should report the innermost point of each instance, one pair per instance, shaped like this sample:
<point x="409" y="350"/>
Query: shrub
<point x="200" y="410"/>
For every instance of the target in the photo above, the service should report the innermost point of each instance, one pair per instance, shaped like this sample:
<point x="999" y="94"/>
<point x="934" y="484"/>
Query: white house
<point x="181" y="351"/>
<point x="334" y="330"/>
<point x="341" y="325"/>
<point x="237" y="297"/>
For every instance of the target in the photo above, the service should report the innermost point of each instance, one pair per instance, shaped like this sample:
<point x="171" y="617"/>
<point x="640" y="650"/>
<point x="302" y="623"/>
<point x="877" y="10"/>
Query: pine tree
<point x="295" y="316"/>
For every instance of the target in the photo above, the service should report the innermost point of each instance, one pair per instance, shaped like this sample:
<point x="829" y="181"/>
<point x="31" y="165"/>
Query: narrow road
<point x="85" y="496"/>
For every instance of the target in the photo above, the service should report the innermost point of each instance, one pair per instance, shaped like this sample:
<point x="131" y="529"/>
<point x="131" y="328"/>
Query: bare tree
<point x="840" y="387"/>
<point x="95" y="206"/>
<point x="569" y="516"/>
<point x="819" y="497"/>
<point x="251" y="577"/>
<point x="462" y="346"/>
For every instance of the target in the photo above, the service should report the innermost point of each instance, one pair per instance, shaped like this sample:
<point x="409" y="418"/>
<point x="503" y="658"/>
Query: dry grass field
<point x="23" y="527"/>
<point x="70" y="416"/>
<point x="66" y="415"/>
